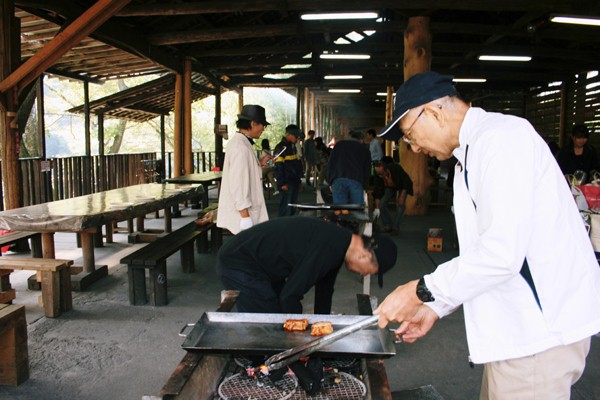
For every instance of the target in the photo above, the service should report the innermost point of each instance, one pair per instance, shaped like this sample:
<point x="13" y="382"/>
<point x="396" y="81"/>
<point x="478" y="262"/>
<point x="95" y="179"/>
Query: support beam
<point x="41" y="123"/>
<point x="91" y="19"/>
<point x="188" y="161"/>
<point x="219" y="161"/>
<point x="417" y="58"/>
<point x="10" y="50"/>
<point x="177" y="126"/>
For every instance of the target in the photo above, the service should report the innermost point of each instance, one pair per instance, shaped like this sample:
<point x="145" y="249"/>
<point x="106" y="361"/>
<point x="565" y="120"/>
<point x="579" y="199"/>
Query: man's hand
<point x="376" y="213"/>
<point x="246" y="223"/>
<point x="400" y="305"/>
<point x="418" y="326"/>
<point x="284" y="188"/>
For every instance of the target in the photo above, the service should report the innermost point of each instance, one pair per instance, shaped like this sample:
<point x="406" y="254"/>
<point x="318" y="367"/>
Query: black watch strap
<point x="423" y="293"/>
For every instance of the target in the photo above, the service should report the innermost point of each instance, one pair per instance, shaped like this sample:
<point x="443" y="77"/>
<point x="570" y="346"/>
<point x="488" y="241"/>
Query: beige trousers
<point x="548" y="375"/>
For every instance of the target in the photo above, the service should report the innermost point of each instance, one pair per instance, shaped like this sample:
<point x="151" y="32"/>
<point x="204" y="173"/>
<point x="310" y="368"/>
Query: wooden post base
<point x="14" y="356"/>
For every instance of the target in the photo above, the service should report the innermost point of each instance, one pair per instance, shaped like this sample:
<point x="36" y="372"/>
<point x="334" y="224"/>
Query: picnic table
<point x="205" y="179"/>
<point x="87" y="214"/>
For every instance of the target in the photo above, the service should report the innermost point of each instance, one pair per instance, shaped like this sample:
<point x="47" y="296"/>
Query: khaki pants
<point x="548" y="375"/>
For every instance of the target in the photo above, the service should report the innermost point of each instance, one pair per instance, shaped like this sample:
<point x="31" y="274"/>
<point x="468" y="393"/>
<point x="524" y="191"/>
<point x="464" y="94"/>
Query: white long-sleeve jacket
<point x="241" y="185"/>
<point x="517" y="204"/>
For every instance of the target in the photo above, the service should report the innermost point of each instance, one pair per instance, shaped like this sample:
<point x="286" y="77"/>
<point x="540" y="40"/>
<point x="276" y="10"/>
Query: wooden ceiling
<point x="235" y="43"/>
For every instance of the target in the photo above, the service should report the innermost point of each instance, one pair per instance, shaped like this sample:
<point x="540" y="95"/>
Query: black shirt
<point x="304" y="252"/>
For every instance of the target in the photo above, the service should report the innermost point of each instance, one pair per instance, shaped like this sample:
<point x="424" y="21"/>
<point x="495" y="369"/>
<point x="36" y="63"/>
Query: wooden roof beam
<point x="216" y="7"/>
<point x="86" y="23"/>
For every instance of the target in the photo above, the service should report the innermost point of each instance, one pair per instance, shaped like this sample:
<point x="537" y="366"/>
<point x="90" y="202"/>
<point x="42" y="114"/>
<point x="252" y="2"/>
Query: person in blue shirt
<point x="349" y="170"/>
<point x="288" y="169"/>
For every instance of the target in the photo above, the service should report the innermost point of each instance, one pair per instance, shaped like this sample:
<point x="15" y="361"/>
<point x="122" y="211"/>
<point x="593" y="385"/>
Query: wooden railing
<point x="65" y="177"/>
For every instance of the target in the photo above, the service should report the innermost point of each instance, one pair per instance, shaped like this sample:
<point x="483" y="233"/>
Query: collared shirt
<point x="517" y="204"/>
<point x="241" y="185"/>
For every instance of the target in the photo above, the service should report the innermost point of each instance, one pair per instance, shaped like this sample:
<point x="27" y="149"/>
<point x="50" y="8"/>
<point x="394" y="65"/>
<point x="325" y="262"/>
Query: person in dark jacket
<point x="274" y="264"/>
<point x="349" y="170"/>
<point x="391" y="183"/>
<point x="288" y="169"/>
<point x="578" y="154"/>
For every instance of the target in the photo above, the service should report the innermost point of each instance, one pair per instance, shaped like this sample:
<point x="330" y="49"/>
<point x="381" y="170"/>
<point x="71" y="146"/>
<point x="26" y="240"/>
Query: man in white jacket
<point x="241" y="199"/>
<point x="526" y="275"/>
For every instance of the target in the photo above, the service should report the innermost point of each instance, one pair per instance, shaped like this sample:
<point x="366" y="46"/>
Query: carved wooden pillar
<point x="417" y="58"/>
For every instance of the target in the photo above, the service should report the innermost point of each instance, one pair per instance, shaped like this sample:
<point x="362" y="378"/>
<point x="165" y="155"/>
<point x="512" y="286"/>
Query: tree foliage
<point x="65" y="132"/>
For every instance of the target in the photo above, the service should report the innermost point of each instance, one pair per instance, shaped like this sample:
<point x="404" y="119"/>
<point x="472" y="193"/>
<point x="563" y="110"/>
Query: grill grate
<point x="241" y="386"/>
<point x="347" y="388"/>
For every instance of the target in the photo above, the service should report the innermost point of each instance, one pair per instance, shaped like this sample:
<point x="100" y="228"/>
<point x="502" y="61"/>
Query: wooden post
<point x="218" y="138"/>
<point x="41" y="123"/>
<point x="188" y="161"/>
<point x="162" y="141"/>
<point x="177" y="162"/>
<point x="10" y="49"/>
<point x="389" y="111"/>
<point x="417" y="58"/>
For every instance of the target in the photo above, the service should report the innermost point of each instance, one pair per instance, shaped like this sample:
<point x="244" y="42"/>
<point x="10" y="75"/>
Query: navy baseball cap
<point x="418" y="90"/>
<point x="294" y="130"/>
<point x="385" y="251"/>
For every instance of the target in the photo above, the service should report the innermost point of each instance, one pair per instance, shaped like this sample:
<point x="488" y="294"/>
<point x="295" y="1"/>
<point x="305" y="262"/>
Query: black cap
<point x="418" y="90"/>
<point x="294" y="130"/>
<point x="385" y="251"/>
<point x="255" y="113"/>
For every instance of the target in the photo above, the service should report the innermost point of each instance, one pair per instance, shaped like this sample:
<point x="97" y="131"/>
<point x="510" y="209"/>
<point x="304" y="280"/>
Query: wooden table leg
<point x="87" y="248"/>
<point x="168" y="222"/>
<point x="91" y="273"/>
<point x="48" y="245"/>
<point x="205" y="195"/>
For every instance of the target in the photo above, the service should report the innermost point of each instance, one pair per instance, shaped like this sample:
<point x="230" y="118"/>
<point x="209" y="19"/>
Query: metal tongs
<point x="287" y="357"/>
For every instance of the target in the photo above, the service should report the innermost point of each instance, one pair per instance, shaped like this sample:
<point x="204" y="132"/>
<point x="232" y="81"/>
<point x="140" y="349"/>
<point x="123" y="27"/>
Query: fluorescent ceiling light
<point x="384" y="94"/>
<point x="470" y="80"/>
<point x="369" y="33"/>
<point x="342" y="15"/>
<point x="343" y="76"/>
<point x="355" y="36"/>
<point x="338" y="56"/>
<point x="296" y="66"/>
<point x="504" y="58"/>
<point x="567" y="19"/>
<point x="342" y="40"/>
<point x="278" y="76"/>
<point x="344" y="90"/>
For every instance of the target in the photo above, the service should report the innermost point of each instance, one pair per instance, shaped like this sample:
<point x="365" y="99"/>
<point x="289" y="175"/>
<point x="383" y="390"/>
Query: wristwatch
<point x="423" y="293"/>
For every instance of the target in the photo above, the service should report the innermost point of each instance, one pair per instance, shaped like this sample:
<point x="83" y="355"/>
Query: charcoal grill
<point x="199" y="374"/>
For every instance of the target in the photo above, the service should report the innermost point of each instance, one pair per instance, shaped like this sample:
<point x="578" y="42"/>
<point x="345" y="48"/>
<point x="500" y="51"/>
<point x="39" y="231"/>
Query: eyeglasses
<point x="407" y="135"/>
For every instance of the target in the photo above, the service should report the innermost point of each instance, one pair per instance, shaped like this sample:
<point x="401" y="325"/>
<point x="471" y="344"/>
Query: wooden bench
<point x="14" y="356"/>
<point x="153" y="257"/>
<point x="19" y="237"/>
<point x="56" y="280"/>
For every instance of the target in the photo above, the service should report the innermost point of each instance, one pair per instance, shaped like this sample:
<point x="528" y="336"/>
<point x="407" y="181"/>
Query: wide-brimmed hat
<point x="253" y="112"/>
<point x="418" y="90"/>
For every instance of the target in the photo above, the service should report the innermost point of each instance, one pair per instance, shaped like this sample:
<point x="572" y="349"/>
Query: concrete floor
<point x="107" y="349"/>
